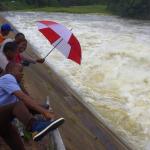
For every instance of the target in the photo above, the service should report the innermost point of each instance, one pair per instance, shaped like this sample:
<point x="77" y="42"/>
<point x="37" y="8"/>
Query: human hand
<point x="25" y="63"/>
<point x="40" y="60"/>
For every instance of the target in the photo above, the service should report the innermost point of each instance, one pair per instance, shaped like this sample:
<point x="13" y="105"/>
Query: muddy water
<point x="114" y="77"/>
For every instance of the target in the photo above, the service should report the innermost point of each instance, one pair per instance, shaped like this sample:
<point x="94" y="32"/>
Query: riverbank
<point x="99" y="9"/>
<point x="42" y="81"/>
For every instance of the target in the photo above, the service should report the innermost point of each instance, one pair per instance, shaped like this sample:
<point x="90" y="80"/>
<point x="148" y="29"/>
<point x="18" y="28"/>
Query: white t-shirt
<point x="4" y="42"/>
<point x="3" y="59"/>
<point x="8" y="85"/>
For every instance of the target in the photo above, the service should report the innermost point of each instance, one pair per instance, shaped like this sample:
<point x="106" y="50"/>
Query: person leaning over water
<point x="15" y="103"/>
<point x="22" y="45"/>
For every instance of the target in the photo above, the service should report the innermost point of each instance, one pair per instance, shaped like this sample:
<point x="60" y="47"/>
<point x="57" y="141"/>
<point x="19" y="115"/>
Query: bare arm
<point x="30" y="60"/>
<point x="29" y="102"/>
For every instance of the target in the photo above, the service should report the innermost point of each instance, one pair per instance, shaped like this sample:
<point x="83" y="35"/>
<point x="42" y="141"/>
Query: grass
<point x="17" y="6"/>
<point x="75" y="9"/>
<point x="12" y="5"/>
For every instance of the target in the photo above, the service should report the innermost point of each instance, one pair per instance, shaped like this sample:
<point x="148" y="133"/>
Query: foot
<point x="41" y="128"/>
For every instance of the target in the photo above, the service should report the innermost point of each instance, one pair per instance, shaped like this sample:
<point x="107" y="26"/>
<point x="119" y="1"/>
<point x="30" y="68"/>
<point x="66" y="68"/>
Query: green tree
<point x="130" y="8"/>
<point x="79" y="2"/>
<point x="39" y="3"/>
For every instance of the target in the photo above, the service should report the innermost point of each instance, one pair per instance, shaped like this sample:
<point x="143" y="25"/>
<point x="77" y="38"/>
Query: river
<point x="114" y="77"/>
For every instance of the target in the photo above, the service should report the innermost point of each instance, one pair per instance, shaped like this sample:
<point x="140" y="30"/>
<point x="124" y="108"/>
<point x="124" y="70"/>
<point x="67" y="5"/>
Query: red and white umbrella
<point x="62" y="39"/>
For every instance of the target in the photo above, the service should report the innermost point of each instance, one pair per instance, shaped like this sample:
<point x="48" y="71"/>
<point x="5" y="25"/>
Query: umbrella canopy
<point x="62" y="39"/>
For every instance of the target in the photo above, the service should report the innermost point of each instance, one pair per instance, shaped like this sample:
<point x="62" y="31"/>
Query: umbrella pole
<point x="53" y="48"/>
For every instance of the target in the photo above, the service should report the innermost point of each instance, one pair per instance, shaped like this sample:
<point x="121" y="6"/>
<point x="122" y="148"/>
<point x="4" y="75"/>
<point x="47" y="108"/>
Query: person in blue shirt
<point x="15" y="103"/>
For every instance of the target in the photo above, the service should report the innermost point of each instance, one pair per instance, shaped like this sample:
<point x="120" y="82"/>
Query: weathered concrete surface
<point x="81" y="130"/>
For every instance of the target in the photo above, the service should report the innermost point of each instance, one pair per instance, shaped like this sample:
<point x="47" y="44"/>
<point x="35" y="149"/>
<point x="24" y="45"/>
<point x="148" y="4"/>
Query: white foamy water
<point x="114" y="77"/>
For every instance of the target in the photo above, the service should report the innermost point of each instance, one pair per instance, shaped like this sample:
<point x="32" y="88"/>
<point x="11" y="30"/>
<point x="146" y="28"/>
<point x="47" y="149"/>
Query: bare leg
<point x="7" y="130"/>
<point x="11" y="137"/>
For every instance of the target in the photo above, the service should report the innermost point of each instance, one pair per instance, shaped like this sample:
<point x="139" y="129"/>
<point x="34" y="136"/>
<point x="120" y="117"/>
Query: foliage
<point x="75" y="9"/>
<point x="9" y="5"/>
<point x="127" y="8"/>
<point x="131" y="8"/>
<point x="80" y="2"/>
<point x="41" y="3"/>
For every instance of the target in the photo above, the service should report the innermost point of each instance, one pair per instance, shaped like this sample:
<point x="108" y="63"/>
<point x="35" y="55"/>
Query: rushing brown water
<point x="114" y="77"/>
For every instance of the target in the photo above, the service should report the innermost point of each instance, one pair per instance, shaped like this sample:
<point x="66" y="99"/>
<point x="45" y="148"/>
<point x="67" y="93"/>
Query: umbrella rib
<point x="53" y="48"/>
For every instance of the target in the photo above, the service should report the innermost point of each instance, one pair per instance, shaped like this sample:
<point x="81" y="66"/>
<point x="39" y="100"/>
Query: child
<point x="22" y="45"/>
<point x="19" y="37"/>
<point x="4" y="31"/>
<point x="8" y="54"/>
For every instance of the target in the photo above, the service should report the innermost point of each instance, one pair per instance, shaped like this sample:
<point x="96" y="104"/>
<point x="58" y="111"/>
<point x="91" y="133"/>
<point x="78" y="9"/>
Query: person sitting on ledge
<point x="7" y="55"/>
<point x="4" y="31"/>
<point x="22" y="45"/>
<point x="15" y="103"/>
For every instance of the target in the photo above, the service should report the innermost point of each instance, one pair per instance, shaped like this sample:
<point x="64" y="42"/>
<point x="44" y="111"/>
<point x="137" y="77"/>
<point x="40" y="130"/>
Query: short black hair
<point x="10" y="46"/>
<point x="19" y="34"/>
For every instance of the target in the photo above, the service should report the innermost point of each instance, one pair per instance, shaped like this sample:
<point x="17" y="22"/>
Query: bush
<point x="131" y="8"/>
